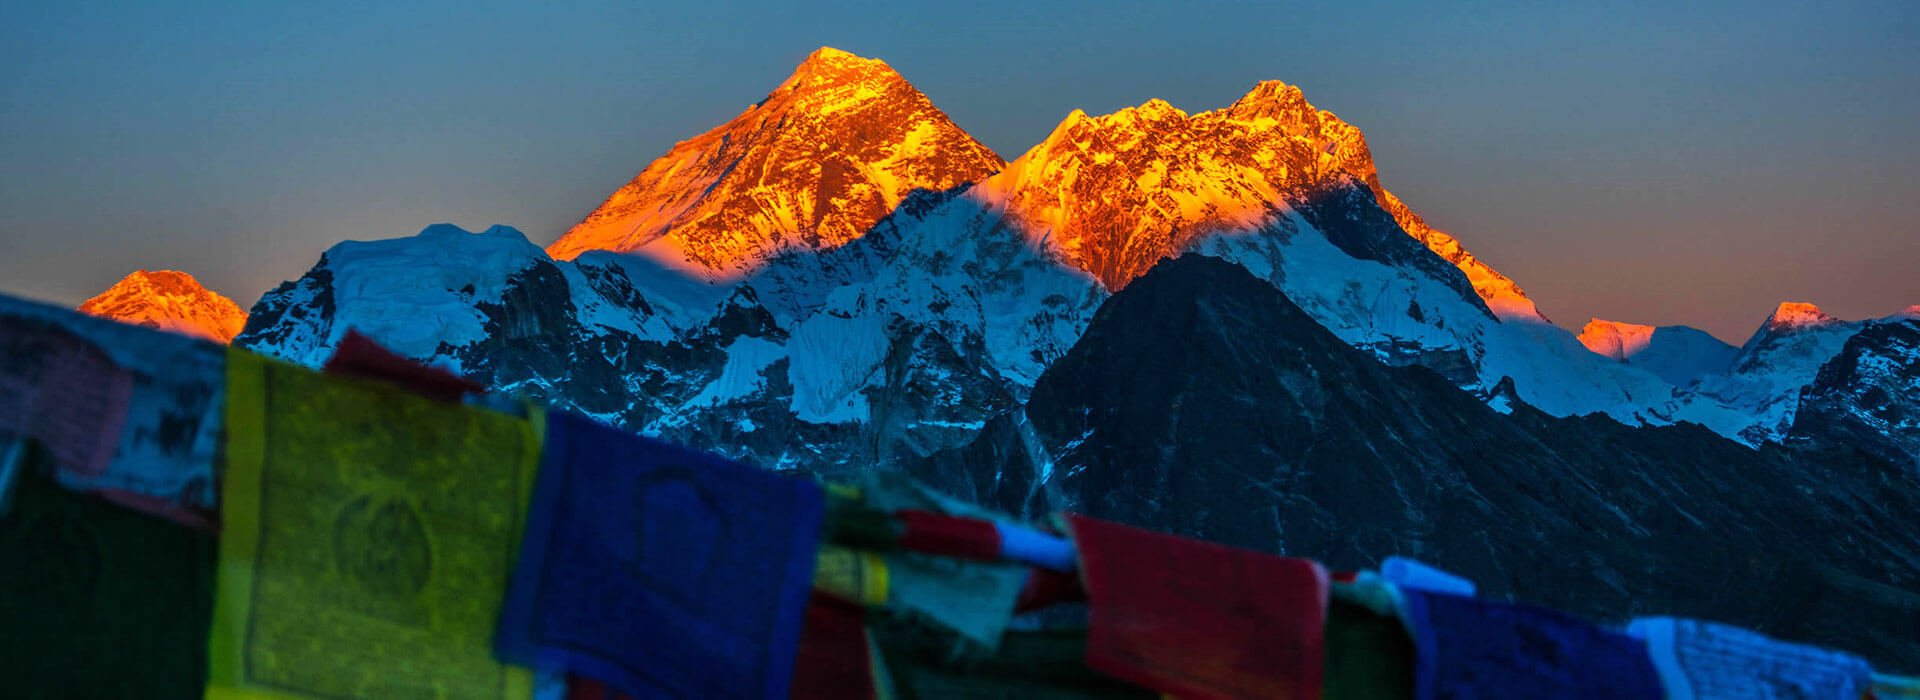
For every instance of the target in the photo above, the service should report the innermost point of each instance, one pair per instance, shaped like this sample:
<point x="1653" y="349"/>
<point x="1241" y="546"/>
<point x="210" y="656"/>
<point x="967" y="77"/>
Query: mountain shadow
<point x="1201" y="401"/>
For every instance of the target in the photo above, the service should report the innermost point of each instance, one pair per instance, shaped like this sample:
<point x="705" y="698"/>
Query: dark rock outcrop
<point x="1201" y="401"/>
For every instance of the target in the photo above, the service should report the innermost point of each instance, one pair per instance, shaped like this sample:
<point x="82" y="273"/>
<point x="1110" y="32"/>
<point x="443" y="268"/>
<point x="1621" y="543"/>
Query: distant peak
<point x="1909" y="312"/>
<point x="1615" y="339"/>
<point x="1601" y="325"/>
<point x="1795" y="314"/>
<point x="169" y="300"/>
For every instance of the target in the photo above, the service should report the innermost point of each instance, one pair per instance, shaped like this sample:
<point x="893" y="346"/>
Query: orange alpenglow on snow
<point x="1615" y="339"/>
<point x="828" y="153"/>
<point x="1117" y="193"/>
<point x="170" y="301"/>
<point x="1798" y="314"/>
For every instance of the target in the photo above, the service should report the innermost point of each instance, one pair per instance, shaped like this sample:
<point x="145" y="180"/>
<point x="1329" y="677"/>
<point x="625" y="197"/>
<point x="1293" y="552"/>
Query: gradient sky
<point x="1635" y="160"/>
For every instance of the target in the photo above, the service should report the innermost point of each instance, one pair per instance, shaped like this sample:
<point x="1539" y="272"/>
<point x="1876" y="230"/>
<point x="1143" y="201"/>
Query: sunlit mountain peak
<point x="169" y="300"/>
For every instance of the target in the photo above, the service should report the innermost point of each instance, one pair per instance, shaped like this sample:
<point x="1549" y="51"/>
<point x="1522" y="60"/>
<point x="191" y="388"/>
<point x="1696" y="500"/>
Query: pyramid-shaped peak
<point x="828" y="153"/>
<point x="827" y="65"/>
<point x="168" y="300"/>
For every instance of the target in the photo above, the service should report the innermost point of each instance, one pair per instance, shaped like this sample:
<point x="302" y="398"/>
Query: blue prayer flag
<point x="662" y="571"/>
<point x="1474" y="648"/>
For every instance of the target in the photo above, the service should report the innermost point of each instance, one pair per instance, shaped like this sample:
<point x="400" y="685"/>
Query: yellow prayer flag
<point x="368" y="535"/>
<point x="851" y="575"/>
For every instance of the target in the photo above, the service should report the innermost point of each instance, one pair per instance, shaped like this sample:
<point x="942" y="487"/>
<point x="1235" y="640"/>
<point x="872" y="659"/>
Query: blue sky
<point x="1635" y="161"/>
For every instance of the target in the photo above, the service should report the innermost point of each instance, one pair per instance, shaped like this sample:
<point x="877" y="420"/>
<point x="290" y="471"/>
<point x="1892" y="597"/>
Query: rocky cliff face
<point x="828" y="153"/>
<point x="1270" y="432"/>
<point x="171" y="301"/>
<point x="1868" y="394"/>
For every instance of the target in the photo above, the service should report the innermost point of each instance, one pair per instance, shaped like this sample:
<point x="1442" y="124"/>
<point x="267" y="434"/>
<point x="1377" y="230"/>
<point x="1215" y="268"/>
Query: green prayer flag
<point x="98" y="601"/>
<point x="1369" y="656"/>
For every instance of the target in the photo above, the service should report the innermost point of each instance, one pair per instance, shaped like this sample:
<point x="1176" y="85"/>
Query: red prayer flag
<point x="1046" y="587"/>
<point x="949" y="535"/>
<point x="359" y="356"/>
<point x="1201" y="620"/>
<point x="833" y="661"/>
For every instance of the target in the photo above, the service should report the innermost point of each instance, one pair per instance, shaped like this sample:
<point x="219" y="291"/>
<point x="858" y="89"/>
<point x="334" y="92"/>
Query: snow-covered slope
<point x="833" y="149"/>
<point x="835" y="346"/>
<point x="1755" y="398"/>
<point x="169" y="300"/>
<point x="1289" y="192"/>
<point x="1677" y="354"/>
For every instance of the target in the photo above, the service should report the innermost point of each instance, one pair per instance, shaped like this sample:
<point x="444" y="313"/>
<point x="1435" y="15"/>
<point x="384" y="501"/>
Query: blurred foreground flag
<point x="665" y="572"/>
<point x="1201" y="620"/>
<point x="368" y="537"/>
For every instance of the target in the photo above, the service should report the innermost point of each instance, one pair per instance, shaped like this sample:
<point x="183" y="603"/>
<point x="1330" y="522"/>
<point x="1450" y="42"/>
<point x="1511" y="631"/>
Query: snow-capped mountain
<point x="1290" y="192"/>
<point x="819" y="341"/>
<point x="1869" y="393"/>
<point x="169" y="300"/>
<point x="1202" y="402"/>
<point x="1754" y="399"/>
<point x="1678" y="354"/>
<point x="833" y="149"/>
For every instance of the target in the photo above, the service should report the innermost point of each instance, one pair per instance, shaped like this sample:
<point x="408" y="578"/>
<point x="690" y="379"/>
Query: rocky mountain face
<point x="815" y="286"/>
<point x="1677" y="354"/>
<point x="1868" y="394"/>
<point x="1201" y="400"/>
<point x="828" y="153"/>
<point x="169" y="300"/>
<point x="1755" y="398"/>
<point x="792" y="309"/>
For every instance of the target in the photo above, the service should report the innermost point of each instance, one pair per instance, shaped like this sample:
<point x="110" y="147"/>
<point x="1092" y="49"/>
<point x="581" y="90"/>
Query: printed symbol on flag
<point x="380" y="546"/>
<point x="672" y="541"/>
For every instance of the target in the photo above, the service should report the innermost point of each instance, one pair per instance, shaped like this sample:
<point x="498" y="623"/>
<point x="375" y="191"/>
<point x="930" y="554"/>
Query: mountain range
<point x="1219" y="323"/>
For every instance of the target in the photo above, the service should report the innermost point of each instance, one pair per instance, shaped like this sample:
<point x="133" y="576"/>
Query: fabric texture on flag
<point x="1467" y="647"/>
<point x="359" y="356"/>
<point x="97" y="601"/>
<point x="63" y="392"/>
<point x="949" y="535"/>
<point x="1201" y="620"/>
<point x="665" y="572"/>
<point x="1369" y="655"/>
<point x="833" y="663"/>
<point x="927" y="663"/>
<point x="1704" y="660"/>
<point x="368" y="536"/>
<point x="169" y="440"/>
<point x="850" y="575"/>
<point x="1413" y="573"/>
<point x="974" y="599"/>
